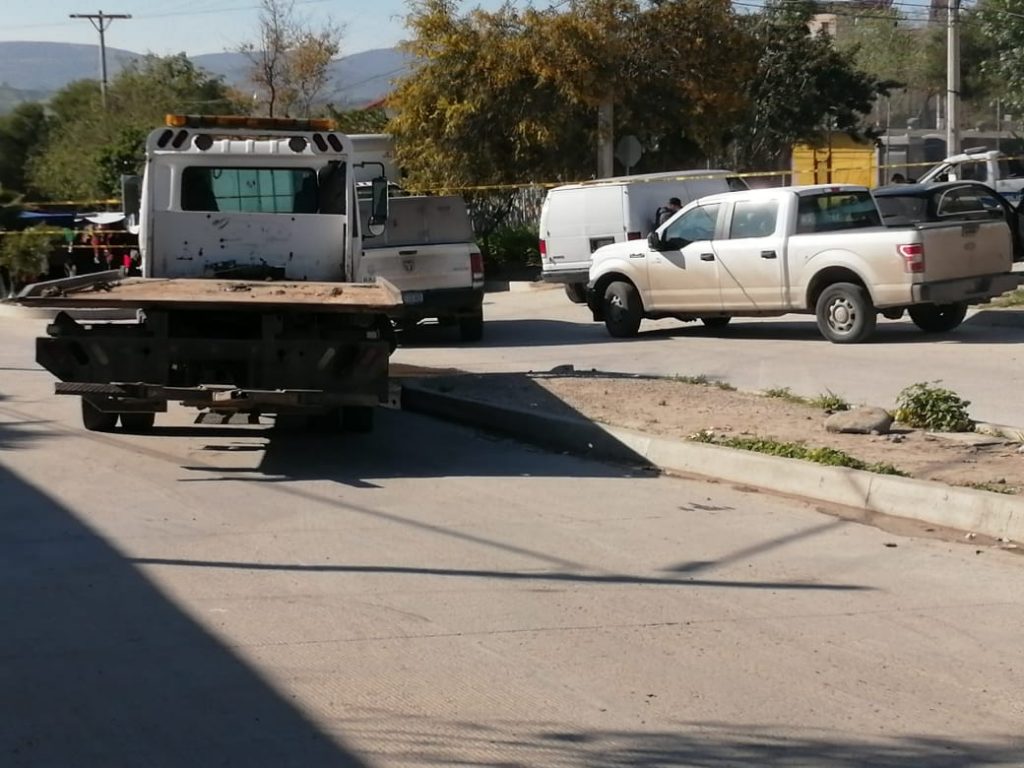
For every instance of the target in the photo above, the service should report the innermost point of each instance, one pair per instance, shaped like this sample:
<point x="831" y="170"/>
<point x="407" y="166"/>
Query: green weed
<point x="927" y="407"/>
<point x="829" y="401"/>
<point x="828" y="456"/>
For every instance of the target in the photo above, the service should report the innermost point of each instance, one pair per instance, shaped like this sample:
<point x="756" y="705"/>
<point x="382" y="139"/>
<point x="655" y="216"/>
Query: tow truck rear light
<point x="251" y="123"/>
<point x="913" y="257"/>
<point x="634" y="235"/>
<point x="476" y="267"/>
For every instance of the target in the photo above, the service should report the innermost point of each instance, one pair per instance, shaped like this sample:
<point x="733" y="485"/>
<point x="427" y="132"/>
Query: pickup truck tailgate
<point x="427" y="245"/>
<point x="420" y="267"/>
<point x="966" y="249"/>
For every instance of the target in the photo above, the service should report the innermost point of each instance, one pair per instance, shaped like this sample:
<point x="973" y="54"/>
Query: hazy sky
<point x="195" y="26"/>
<point x="213" y="26"/>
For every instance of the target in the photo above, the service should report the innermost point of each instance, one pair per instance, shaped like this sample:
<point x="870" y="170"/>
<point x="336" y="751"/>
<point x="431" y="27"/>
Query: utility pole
<point x="953" y="78"/>
<point x="101" y="21"/>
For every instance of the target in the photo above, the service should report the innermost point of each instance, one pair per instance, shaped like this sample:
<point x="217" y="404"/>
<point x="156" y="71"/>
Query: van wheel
<point x="622" y="310"/>
<point x="137" y="422"/>
<point x="471" y="327"/>
<point x="938" y="318"/>
<point x="95" y="420"/>
<point x="845" y="314"/>
<point x="577" y="292"/>
<point x="716" y="322"/>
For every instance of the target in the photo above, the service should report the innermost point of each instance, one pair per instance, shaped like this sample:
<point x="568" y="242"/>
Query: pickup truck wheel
<point x="95" y="420"/>
<point x="845" y="314"/>
<point x="357" y="418"/>
<point x="938" y="318"/>
<point x="137" y="422"/>
<point x="716" y="322"/>
<point x="622" y="310"/>
<point x="471" y="328"/>
<point x="577" y="292"/>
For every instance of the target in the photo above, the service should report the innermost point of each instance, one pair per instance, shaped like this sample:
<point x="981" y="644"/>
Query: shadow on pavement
<point x="99" y="668"/>
<point x="402" y="445"/>
<point x="426" y="742"/>
<point x="528" y="333"/>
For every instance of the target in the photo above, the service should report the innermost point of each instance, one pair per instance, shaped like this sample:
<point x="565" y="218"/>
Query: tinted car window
<point x="251" y="190"/>
<point x="964" y="201"/>
<point x="836" y="211"/>
<point x="902" y="206"/>
<point x="696" y="224"/>
<point x="753" y="219"/>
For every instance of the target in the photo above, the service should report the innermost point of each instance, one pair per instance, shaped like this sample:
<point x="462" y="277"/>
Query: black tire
<point x="357" y="418"/>
<point x="471" y="327"/>
<point x="938" y="318"/>
<point x="623" y="310"/>
<point x="845" y="314"/>
<point x="577" y="292"/>
<point x="137" y="422"/>
<point x="716" y="322"/>
<point x="95" y="420"/>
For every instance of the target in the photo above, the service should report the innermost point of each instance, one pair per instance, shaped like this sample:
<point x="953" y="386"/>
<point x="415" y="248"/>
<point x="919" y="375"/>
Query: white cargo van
<point x="577" y="219"/>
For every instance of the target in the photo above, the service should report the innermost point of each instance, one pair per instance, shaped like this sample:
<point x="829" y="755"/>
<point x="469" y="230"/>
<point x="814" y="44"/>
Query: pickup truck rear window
<point x="836" y="211"/>
<point x="250" y="190"/>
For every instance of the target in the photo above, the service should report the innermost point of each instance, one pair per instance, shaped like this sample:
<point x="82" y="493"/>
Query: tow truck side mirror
<point x="378" y="206"/>
<point x="654" y="242"/>
<point x="131" y="198"/>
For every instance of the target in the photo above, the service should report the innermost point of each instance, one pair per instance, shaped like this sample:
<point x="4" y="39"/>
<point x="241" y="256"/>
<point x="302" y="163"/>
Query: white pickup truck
<point x="428" y="252"/>
<point x="819" y="249"/>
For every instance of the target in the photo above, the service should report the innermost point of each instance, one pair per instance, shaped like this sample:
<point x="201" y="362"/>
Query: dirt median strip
<point x="519" y="406"/>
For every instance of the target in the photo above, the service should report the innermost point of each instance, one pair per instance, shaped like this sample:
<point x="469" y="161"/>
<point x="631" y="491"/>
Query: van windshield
<point x="835" y="211"/>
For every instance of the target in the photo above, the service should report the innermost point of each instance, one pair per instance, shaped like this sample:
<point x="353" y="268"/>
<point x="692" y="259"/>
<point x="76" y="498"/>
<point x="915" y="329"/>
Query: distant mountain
<point x="49" y="66"/>
<point x="42" y="68"/>
<point x="355" y="80"/>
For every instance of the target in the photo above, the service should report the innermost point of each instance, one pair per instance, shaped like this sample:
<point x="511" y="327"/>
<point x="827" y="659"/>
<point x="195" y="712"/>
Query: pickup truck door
<point x="683" y="275"/>
<point x="751" y="257"/>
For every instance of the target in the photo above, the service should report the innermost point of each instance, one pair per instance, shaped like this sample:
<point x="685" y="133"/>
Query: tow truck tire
<point x="845" y="314"/>
<point x="95" y="420"/>
<point x="577" y="292"/>
<point x="357" y="418"/>
<point x="938" y="318"/>
<point x="471" y="327"/>
<point x="137" y="422"/>
<point x="622" y="310"/>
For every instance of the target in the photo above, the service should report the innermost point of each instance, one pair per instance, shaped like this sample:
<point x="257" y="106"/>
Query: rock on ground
<point x="860" y="421"/>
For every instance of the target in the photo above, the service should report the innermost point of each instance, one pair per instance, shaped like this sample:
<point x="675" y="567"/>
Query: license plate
<point x="412" y="297"/>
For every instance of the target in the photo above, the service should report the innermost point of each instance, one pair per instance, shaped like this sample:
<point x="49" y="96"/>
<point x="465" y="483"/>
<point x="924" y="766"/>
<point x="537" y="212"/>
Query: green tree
<point x="24" y="254"/>
<point x="22" y="133"/>
<point x="88" y="149"/>
<point x="802" y="87"/>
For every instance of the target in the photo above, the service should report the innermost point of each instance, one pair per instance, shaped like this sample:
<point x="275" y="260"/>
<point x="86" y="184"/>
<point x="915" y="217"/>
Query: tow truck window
<point x="249" y="190"/>
<point x="836" y="211"/>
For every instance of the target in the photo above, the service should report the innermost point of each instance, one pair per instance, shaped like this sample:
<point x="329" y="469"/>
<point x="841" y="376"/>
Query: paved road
<point x="537" y="330"/>
<point x="430" y="596"/>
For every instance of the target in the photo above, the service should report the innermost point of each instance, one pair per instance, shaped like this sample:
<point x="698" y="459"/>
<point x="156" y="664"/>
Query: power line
<point x="101" y="21"/>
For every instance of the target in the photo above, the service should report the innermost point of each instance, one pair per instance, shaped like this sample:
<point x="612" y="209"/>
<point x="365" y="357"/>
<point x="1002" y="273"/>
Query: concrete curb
<point x="19" y="312"/>
<point x="966" y="509"/>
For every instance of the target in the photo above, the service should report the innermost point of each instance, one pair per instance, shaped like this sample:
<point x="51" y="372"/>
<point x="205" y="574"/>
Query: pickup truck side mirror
<point x="378" y="206"/>
<point x="654" y="242"/>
